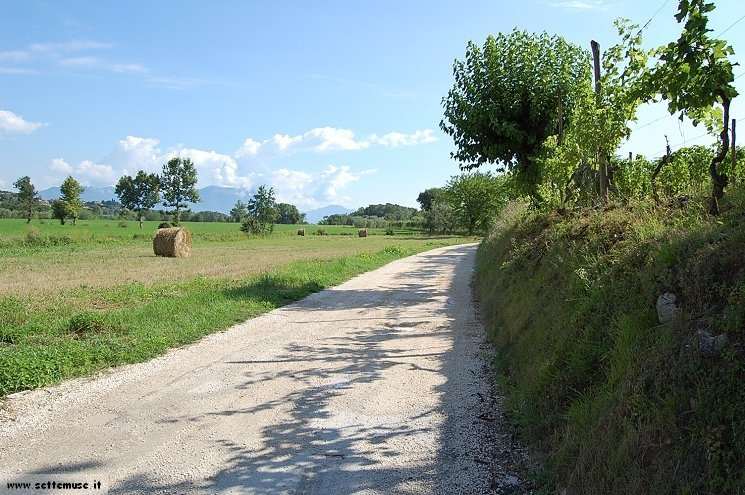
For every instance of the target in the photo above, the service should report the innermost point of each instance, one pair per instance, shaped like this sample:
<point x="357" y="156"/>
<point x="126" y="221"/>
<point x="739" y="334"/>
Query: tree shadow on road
<point x="317" y="447"/>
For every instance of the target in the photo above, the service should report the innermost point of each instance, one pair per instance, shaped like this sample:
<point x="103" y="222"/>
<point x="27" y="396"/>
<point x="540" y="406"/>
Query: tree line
<point x="551" y="115"/>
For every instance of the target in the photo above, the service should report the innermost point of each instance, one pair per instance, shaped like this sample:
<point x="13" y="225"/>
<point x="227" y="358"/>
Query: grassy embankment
<point x="616" y="402"/>
<point x="103" y="318"/>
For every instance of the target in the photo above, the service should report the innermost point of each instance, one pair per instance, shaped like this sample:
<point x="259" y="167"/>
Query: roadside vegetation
<point x="612" y="286"/>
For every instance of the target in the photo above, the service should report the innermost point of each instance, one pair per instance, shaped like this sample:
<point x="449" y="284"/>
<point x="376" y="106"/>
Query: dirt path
<point x="374" y="387"/>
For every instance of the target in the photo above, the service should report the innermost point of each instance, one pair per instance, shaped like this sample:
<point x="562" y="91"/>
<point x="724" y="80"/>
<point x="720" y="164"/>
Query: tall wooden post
<point x="734" y="151"/>
<point x="602" y="163"/>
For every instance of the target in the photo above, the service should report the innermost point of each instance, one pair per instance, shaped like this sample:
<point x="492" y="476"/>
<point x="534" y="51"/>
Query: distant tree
<point x="239" y="211"/>
<point x="27" y="196"/>
<point x="388" y="211"/>
<point x="509" y="97"/>
<point x="262" y="212"/>
<point x="476" y="198"/>
<point x="427" y="197"/>
<point x="288" y="214"/>
<point x="178" y="185"/>
<point x="441" y="216"/>
<point x="139" y="193"/>
<point x="71" y="191"/>
<point x="59" y="210"/>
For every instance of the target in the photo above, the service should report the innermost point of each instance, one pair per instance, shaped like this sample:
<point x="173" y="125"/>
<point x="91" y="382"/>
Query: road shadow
<point x="315" y="450"/>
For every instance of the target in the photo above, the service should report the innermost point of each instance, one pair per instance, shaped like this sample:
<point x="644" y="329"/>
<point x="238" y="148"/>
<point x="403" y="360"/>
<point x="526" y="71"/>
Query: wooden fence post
<point x="602" y="163"/>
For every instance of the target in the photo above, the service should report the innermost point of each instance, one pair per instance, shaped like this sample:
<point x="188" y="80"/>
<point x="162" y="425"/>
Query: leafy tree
<point x="694" y="74"/>
<point x="440" y="217"/>
<point x="289" y="214"/>
<point x="59" y="210"/>
<point x="239" y="211"/>
<point x="389" y="211"/>
<point x="178" y="184"/>
<point x="509" y="96"/>
<point x="476" y="198"/>
<point x="139" y="193"/>
<point x="71" y="191"/>
<point x="27" y="196"/>
<point x="262" y="212"/>
<point x="427" y="197"/>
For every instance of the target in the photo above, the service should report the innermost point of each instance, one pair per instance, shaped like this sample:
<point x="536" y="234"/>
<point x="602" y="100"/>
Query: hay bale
<point x="362" y="233"/>
<point x="301" y="232"/>
<point x="173" y="243"/>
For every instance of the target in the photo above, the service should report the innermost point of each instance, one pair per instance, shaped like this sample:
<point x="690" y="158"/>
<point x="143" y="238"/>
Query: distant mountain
<point x="212" y="198"/>
<point x="315" y="216"/>
<point x="90" y="194"/>
<point x="222" y="199"/>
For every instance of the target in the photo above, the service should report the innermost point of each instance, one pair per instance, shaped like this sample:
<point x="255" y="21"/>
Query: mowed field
<point x="41" y="258"/>
<point x="76" y="299"/>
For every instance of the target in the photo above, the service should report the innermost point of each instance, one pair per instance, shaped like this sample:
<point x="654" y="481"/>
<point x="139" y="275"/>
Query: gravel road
<point x="376" y="386"/>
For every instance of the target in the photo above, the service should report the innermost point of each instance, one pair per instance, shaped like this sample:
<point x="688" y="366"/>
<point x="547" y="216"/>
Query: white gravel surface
<point x="376" y="386"/>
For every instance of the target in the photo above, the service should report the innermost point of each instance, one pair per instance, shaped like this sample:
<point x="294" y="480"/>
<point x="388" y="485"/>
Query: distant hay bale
<point x="301" y="232"/>
<point x="362" y="232"/>
<point x="173" y="242"/>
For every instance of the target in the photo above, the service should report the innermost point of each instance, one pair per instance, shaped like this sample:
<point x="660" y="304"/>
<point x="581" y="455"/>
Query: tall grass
<point x="614" y="401"/>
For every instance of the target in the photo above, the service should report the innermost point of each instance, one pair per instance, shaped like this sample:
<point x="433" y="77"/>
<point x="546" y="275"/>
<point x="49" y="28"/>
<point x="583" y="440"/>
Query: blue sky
<point x="332" y="102"/>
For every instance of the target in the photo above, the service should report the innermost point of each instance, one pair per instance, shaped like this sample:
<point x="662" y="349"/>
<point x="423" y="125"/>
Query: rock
<point x="667" y="307"/>
<point x="711" y="345"/>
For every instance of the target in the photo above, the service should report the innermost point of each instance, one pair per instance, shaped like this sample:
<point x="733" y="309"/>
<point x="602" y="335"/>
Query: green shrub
<point x="123" y="224"/>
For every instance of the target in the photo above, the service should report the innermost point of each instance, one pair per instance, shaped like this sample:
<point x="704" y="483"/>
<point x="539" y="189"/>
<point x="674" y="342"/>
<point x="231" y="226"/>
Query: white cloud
<point x="11" y="123"/>
<point x="60" y="165"/>
<point x="581" y="4"/>
<point x="396" y="139"/>
<point x="15" y="71"/>
<point x="322" y="139"/>
<point x="308" y="190"/>
<point x="96" y="63"/>
<point x="86" y="171"/>
<point x="14" y="56"/>
<point x="96" y="173"/>
<point x="213" y="168"/>
<point x="68" y="46"/>
<point x="248" y="148"/>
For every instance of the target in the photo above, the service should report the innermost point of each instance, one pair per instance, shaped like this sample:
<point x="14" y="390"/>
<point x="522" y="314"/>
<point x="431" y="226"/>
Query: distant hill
<point x="90" y="193"/>
<point x="315" y="216"/>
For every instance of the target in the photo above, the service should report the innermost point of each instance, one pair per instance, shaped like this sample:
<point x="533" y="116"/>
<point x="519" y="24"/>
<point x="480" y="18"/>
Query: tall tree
<point x="178" y="183"/>
<point x="262" y="212"/>
<point x="288" y="214"/>
<point x="239" y="211"/>
<point x="509" y="97"/>
<point x="694" y="74"/>
<point x="27" y="196"/>
<point x="476" y="198"/>
<point x="139" y="193"/>
<point x="71" y="191"/>
<point x="427" y="197"/>
<point x="59" y="211"/>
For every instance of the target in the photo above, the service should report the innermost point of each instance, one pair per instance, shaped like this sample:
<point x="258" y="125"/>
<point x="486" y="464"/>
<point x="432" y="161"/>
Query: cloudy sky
<point x="331" y="102"/>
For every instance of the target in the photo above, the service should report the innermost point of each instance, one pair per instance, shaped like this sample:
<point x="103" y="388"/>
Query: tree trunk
<point x="719" y="180"/>
<point x="657" y="170"/>
<point x="140" y="219"/>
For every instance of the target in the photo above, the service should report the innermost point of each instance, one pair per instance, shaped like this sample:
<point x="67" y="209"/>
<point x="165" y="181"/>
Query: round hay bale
<point x="173" y="243"/>
<point x="362" y="232"/>
<point x="301" y="232"/>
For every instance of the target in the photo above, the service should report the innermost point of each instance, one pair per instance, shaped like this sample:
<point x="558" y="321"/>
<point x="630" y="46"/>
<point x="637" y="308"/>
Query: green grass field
<point x="16" y="231"/>
<point x="103" y="299"/>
